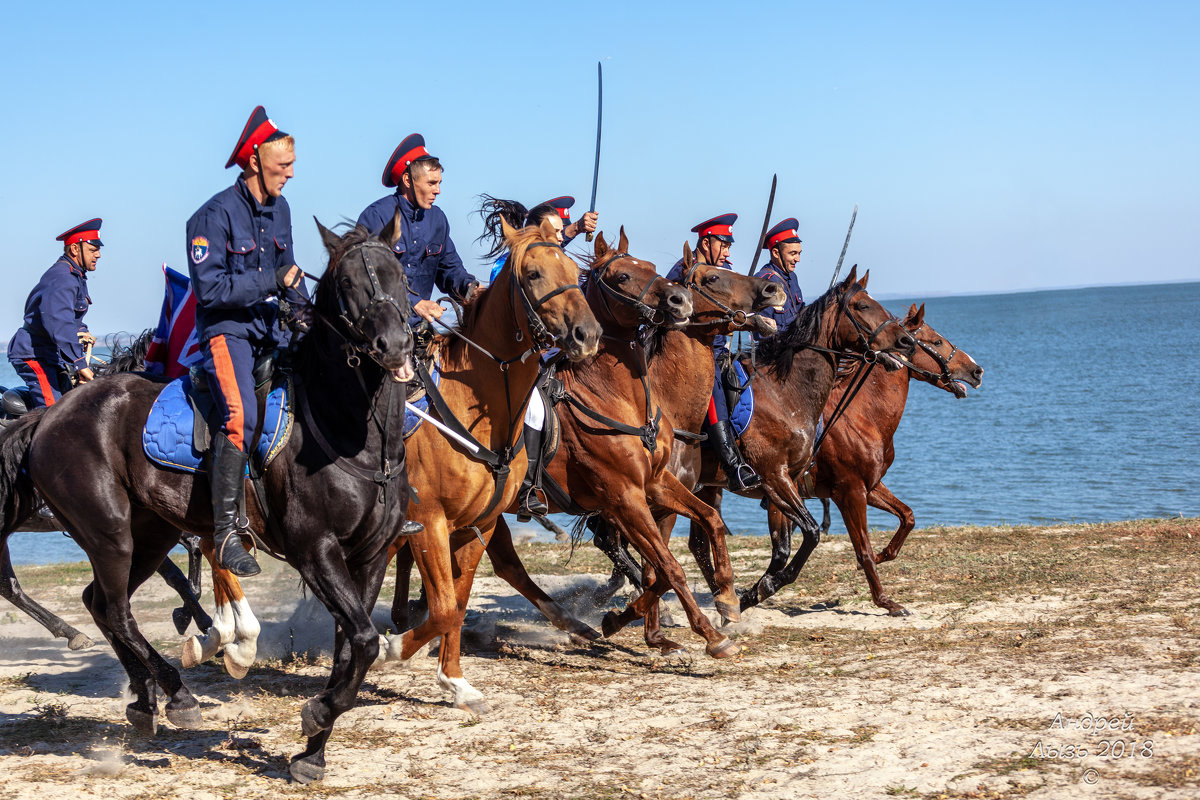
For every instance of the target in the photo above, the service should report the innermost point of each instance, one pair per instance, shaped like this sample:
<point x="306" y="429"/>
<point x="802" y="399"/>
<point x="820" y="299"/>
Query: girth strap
<point x="648" y="433"/>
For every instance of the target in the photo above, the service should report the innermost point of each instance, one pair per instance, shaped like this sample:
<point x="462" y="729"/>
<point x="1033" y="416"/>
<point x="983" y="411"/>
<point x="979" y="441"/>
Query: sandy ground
<point x="1087" y="689"/>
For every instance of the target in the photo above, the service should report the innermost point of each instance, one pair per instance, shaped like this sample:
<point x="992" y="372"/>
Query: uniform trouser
<point x="229" y="367"/>
<point x="718" y="406"/>
<point x="46" y="383"/>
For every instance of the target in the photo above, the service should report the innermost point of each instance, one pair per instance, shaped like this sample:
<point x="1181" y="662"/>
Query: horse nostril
<point x="675" y="300"/>
<point x="381" y="344"/>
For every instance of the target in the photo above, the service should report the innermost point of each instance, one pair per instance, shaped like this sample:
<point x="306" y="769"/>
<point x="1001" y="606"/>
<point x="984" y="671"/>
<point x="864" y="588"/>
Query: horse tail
<point x="18" y="498"/>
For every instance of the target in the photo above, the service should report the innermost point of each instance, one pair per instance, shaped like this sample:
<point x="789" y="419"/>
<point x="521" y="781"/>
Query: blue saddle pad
<point x="741" y="414"/>
<point x="411" y="420"/>
<point x="167" y="438"/>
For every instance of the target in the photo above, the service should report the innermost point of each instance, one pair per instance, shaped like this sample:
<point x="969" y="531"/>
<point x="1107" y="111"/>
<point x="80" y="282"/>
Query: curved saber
<point x="846" y="244"/>
<point x="599" y="127"/>
<point x="762" y="237"/>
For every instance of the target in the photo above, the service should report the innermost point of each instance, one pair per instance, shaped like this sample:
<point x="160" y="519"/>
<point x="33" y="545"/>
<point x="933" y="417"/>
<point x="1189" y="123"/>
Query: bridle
<point x="942" y="361"/>
<point x="542" y="338"/>
<point x="736" y="316"/>
<point x="650" y="315"/>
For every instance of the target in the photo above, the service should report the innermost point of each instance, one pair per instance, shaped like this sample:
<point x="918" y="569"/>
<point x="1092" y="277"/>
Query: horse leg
<point x="780" y="528"/>
<point x="191" y="609"/>
<point x="704" y="512"/>
<point x="10" y="590"/>
<point x="826" y="521"/>
<point x="466" y="559"/>
<point x="234" y="628"/>
<point x="605" y="538"/>
<point x="404" y="563"/>
<point x="881" y="497"/>
<point x="348" y="591"/>
<point x="852" y="501"/>
<point x="651" y="623"/>
<point x="507" y="565"/>
<point x="118" y="571"/>
<point x="639" y="528"/>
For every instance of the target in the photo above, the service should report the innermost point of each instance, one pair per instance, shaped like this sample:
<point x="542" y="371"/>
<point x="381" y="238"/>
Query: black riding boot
<point x="741" y="475"/>
<point x="227" y="478"/>
<point x="529" y="504"/>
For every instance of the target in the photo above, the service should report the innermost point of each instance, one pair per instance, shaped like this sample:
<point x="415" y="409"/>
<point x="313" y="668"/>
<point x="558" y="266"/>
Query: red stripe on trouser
<point x="223" y="364"/>
<point x="43" y="381"/>
<point x="712" y="412"/>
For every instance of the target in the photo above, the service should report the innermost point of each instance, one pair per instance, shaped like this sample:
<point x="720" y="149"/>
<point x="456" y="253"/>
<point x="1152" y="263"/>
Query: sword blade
<point x="599" y="128"/>
<point x="762" y="237"/>
<point x="844" y="246"/>
<point x="441" y="427"/>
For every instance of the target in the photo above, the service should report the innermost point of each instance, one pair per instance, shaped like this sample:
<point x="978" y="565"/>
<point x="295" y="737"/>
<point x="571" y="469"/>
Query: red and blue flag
<point x="175" y="347"/>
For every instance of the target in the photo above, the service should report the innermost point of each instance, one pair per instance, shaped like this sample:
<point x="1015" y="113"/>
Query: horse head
<point x="862" y="324"/>
<point x="729" y="299"/>
<point x="363" y="296"/>
<point x="631" y="291"/>
<point x="539" y="269"/>
<point x="936" y="360"/>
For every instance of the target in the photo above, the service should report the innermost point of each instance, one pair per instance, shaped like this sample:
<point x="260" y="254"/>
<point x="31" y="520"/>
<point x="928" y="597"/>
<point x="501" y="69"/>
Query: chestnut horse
<point x="459" y="497"/>
<point x="325" y="520"/>
<point x="856" y="454"/>
<point x="595" y="469"/>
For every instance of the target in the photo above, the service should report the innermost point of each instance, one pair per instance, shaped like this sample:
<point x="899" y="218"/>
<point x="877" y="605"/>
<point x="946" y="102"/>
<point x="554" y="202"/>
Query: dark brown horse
<point x="856" y="454"/>
<point x="679" y="379"/>
<point x="125" y="512"/>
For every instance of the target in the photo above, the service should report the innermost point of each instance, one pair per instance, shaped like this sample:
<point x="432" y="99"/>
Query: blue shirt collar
<point x="411" y="213"/>
<point x="255" y="206"/>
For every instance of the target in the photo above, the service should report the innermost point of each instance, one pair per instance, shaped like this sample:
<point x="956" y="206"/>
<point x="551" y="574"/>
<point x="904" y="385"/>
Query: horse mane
<point x="779" y="351"/>
<point x="131" y="357"/>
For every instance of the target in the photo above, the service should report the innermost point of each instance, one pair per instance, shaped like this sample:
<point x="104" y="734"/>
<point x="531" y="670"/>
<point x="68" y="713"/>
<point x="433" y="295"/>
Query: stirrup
<point x="238" y="560"/>
<point x="738" y="483"/>
<point x="531" y="505"/>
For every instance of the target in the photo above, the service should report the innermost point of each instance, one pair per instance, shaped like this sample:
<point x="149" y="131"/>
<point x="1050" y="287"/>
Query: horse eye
<point x="709" y="280"/>
<point x="938" y="343"/>
<point x="533" y="275"/>
<point x="861" y="306"/>
<point x="621" y="278"/>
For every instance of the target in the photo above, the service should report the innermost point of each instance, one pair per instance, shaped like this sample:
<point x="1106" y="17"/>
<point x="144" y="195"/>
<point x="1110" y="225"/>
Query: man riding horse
<point x="241" y="263"/>
<point x="49" y="348"/>
<point x="783" y="242"/>
<point x="712" y="247"/>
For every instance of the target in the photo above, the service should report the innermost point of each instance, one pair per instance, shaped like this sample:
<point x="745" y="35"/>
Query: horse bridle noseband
<point x="651" y="316"/>
<point x="942" y="361"/>
<point x="377" y="297"/>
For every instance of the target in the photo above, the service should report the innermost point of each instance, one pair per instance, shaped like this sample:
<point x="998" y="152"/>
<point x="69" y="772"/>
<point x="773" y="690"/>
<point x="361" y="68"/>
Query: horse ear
<point x="392" y="231"/>
<point x="601" y="245"/>
<point x="866" y="277"/>
<point x="508" y="231"/>
<point x="546" y="229"/>
<point x="623" y="242"/>
<point x="920" y="317"/>
<point x="688" y="258"/>
<point x="330" y="239"/>
<point x="851" y="278"/>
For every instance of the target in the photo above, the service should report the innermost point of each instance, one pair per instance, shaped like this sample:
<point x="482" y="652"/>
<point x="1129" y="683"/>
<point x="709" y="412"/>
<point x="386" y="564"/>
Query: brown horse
<point x="595" y="470"/>
<point x="792" y="381"/>
<point x="459" y="496"/>
<point x="856" y="454"/>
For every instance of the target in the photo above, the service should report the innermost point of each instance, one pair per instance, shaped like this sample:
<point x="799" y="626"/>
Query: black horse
<point x="336" y="496"/>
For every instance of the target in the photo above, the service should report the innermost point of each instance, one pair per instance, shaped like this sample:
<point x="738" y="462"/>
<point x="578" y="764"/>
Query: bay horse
<point x="851" y="462"/>
<point x="792" y="380"/>
<point x="617" y="476"/>
<point x="331" y="525"/>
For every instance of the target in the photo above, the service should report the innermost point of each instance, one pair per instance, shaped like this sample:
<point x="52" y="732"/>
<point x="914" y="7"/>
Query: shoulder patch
<point x="199" y="249"/>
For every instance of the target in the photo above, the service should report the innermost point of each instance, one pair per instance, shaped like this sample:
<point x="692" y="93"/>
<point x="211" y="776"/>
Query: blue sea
<point x="1087" y="413"/>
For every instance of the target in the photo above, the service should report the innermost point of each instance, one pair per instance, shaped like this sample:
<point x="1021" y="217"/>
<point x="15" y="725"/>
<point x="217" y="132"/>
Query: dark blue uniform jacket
<point x="235" y="244"/>
<point x="54" y="317"/>
<point x="424" y="248"/>
<point x="791" y="287"/>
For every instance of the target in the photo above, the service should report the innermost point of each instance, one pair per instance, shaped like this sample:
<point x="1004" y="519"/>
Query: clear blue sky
<point x="990" y="146"/>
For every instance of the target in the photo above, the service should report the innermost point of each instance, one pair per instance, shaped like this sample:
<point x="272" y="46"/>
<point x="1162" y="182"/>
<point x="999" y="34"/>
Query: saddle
<point x="14" y="402"/>
<point x="739" y="395"/>
<point x="178" y="428"/>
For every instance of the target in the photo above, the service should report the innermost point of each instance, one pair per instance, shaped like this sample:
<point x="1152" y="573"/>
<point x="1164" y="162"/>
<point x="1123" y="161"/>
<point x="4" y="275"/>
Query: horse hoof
<point x="584" y="636"/>
<point x="610" y="625"/>
<point x="191" y="654"/>
<point x="729" y="613"/>
<point x="186" y="716"/>
<point x="310" y="718"/>
<point x="142" y="721"/>
<point x="235" y="670"/>
<point x="478" y="707"/>
<point x="80" y="641"/>
<point x="899" y="611"/>
<point x="303" y="771"/>
<point x="669" y="648"/>
<point x="723" y="649"/>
